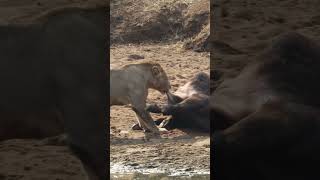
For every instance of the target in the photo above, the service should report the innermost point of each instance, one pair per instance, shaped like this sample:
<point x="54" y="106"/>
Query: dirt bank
<point x="178" y="151"/>
<point x="168" y="32"/>
<point x="161" y="21"/>
<point x="244" y="28"/>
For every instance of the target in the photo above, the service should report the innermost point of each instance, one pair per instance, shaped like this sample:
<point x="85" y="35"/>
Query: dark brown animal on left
<point x="58" y="64"/>
<point x="35" y="125"/>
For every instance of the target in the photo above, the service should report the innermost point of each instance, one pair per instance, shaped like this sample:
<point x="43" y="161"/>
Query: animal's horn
<point x="170" y="97"/>
<point x="173" y="99"/>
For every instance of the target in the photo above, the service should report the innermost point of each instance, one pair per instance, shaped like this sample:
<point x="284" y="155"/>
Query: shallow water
<point x="123" y="172"/>
<point x="157" y="176"/>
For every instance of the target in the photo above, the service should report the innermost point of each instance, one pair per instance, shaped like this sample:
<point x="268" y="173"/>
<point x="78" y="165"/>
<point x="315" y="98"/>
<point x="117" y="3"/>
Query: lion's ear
<point x="155" y="71"/>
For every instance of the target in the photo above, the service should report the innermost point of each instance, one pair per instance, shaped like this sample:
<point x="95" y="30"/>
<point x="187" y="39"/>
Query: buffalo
<point x="266" y="122"/>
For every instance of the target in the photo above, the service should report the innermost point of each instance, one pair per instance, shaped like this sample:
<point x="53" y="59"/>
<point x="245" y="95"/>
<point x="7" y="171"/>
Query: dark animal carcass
<point x="188" y="106"/>
<point x="266" y="121"/>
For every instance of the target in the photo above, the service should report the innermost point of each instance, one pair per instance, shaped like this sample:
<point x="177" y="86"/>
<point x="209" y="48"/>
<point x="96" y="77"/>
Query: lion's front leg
<point x="154" y="108"/>
<point x="145" y="120"/>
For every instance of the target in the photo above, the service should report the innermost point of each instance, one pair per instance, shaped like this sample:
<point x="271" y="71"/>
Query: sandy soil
<point x="178" y="152"/>
<point x="161" y="21"/>
<point x="244" y="28"/>
<point x="175" y="34"/>
<point x="37" y="160"/>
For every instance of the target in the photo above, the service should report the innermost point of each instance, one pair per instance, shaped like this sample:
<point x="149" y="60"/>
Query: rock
<point x="135" y="57"/>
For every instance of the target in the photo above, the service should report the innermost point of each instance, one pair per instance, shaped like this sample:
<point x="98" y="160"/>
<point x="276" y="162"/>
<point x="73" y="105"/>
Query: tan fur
<point x="129" y="84"/>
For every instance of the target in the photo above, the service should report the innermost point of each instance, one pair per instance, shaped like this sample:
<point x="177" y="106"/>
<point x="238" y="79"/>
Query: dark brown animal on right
<point x="188" y="107"/>
<point x="266" y="121"/>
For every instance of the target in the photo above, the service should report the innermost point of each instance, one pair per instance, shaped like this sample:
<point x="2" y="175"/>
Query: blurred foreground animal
<point x="53" y="80"/>
<point x="266" y="121"/>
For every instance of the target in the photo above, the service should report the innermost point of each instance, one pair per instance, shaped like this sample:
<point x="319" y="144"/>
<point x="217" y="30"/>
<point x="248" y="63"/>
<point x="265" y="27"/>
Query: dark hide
<point x="59" y="65"/>
<point x="188" y="106"/>
<point x="266" y="120"/>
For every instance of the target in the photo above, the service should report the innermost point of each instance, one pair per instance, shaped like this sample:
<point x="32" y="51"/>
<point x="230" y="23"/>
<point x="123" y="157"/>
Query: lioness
<point x="129" y="85"/>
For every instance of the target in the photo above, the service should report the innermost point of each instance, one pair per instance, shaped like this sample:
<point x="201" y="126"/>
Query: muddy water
<point x="139" y="176"/>
<point x="123" y="172"/>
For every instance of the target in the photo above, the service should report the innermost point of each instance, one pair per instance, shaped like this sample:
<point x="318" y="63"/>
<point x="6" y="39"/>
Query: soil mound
<point x="149" y="21"/>
<point x="243" y="28"/>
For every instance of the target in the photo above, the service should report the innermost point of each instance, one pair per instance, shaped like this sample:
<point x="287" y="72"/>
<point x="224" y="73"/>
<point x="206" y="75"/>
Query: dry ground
<point x="177" y="152"/>
<point x="168" y="32"/>
<point x="243" y="28"/>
